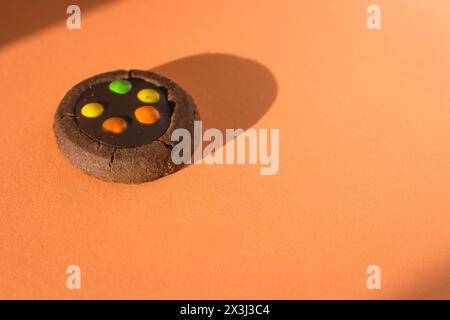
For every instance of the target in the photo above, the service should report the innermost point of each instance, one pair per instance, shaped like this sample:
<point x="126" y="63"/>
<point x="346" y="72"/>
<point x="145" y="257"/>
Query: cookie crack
<point x="65" y="116"/>
<point x="165" y="144"/>
<point x="111" y="160"/>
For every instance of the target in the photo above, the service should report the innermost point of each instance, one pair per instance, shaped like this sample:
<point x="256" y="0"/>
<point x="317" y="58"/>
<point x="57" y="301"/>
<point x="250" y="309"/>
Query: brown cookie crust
<point x="117" y="164"/>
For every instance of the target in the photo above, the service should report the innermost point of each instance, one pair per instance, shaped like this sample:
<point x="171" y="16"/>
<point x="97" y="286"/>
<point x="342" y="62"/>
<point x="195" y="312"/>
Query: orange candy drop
<point x="115" y="125"/>
<point x="147" y="114"/>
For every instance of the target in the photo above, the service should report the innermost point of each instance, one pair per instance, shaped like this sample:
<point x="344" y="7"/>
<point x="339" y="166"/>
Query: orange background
<point x="364" y="152"/>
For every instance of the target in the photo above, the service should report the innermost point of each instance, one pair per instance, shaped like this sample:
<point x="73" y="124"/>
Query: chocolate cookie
<point x="117" y="126"/>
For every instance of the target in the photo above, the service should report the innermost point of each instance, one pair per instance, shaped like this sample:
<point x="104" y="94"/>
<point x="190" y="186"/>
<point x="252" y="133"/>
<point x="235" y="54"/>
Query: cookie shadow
<point x="229" y="91"/>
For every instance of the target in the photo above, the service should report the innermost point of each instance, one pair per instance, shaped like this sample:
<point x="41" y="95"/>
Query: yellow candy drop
<point x="92" y="110"/>
<point x="148" y="95"/>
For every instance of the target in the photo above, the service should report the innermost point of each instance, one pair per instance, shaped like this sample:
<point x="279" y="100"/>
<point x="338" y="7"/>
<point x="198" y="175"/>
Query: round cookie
<point x="116" y="126"/>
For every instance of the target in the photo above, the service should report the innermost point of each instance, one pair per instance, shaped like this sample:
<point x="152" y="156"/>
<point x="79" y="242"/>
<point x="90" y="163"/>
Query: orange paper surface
<point x="364" y="119"/>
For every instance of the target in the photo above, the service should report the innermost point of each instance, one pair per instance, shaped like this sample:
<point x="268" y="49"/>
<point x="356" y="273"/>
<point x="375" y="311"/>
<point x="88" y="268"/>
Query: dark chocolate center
<point x="115" y="107"/>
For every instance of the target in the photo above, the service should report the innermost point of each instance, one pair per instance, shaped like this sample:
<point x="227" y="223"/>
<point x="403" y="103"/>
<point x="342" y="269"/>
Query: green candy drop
<point x="120" y="86"/>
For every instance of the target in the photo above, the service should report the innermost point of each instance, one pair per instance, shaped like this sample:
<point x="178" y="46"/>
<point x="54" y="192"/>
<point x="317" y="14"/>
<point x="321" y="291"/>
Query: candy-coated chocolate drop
<point x="147" y="114"/>
<point x="120" y="86"/>
<point x="148" y="95"/>
<point x="115" y="125"/>
<point x="92" y="110"/>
